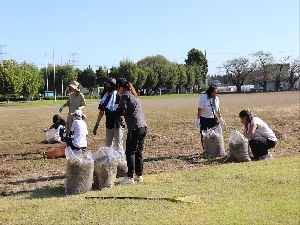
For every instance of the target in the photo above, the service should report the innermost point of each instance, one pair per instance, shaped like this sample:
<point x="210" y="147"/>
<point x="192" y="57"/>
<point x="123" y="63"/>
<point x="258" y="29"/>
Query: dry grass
<point x="172" y="143"/>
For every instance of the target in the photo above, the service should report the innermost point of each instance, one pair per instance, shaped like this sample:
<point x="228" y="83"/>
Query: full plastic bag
<point x="105" y="168"/>
<point x="213" y="142"/>
<point x="122" y="163"/>
<point x="238" y="147"/>
<point x="80" y="169"/>
<point x="52" y="135"/>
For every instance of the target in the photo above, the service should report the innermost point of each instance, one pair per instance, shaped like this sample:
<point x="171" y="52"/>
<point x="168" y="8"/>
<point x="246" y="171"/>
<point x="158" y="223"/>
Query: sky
<point x="104" y="32"/>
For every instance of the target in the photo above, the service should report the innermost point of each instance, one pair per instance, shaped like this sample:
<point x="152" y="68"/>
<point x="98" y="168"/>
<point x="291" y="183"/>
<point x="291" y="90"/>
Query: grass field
<point x="259" y="192"/>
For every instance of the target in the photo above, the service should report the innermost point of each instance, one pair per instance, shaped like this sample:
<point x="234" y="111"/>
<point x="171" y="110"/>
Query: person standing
<point x="208" y="113"/>
<point x="114" y="122"/>
<point x="261" y="137"/>
<point x="76" y="101"/>
<point x="130" y="107"/>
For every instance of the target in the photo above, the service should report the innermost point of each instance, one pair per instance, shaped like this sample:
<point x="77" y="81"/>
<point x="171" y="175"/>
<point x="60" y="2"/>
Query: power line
<point x="1" y="52"/>
<point x="74" y="61"/>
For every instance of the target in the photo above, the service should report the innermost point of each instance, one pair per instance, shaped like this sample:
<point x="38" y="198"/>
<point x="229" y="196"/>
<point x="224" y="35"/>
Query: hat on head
<point x="122" y="82"/>
<point x="75" y="85"/>
<point x="56" y="117"/>
<point x="77" y="112"/>
<point x="112" y="81"/>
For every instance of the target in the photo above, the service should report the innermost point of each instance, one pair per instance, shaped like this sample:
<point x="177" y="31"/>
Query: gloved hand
<point x="95" y="128"/>
<point x="116" y="106"/>
<point x="80" y="108"/>
<point x="222" y="120"/>
<point x="47" y="129"/>
<point x="61" y="108"/>
<point x="198" y="123"/>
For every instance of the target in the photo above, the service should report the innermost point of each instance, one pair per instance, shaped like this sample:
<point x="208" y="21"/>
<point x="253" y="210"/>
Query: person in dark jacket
<point x="130" y="107"/>
<point x="114" y="123"/>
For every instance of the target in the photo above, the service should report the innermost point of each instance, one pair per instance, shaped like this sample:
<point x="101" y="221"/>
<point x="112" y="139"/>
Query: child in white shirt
<point x="79" y="131"/>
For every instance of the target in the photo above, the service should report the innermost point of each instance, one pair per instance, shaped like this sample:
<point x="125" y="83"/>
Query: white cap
<point x="77" y="112"/>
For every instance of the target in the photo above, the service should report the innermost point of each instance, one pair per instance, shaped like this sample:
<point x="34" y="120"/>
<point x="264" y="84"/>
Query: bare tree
<point x="264" y="67"/>
<point x="236" y="71"/>
<point x="294" y="73"/>
<point x="281" y="72"/>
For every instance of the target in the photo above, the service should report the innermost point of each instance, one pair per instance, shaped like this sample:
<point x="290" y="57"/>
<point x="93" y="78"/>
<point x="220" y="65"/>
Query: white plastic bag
<point x="105" y="168"/>
<point x="122" y="163"/>
<point x="238" y="147"/>
<point x="52" y="135"/>
<point x="213" y="142"/>
<point x="80" y="169"/>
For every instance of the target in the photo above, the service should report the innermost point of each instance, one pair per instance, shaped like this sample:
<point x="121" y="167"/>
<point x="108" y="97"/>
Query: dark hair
<point x="122" y="82"/>
<point x="246" y="113"/>
<point x="56" y="117"/>
<point x="210" y="89"/>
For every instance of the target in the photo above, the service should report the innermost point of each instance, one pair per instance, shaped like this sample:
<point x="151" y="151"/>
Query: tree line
<point x="151" y="72"/>
<point x="261" y="69"/>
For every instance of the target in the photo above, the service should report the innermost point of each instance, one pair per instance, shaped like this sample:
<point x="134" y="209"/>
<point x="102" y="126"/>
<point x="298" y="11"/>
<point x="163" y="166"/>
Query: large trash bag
<point x="122" y="168"/>
<point x="52" y="135"/>
<point x="213" y="142"/>
<point x="105" y="168"/>
<point x="238" y="147"/>
<point x="80" y="169"/>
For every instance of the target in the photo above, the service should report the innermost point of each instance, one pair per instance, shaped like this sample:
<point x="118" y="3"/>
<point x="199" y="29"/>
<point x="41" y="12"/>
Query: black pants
<point x="207" y="123"/>
<point x="69" y="143"/>
<point x="260" y="148"/>
<point x="134" y="151"/>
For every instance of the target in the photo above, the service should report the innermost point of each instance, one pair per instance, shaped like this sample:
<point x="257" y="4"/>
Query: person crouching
<point x="78" y="140"/>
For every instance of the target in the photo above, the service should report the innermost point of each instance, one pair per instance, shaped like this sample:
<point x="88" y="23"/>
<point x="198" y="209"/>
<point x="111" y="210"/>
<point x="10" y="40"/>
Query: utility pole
<point x="62" y="79"/>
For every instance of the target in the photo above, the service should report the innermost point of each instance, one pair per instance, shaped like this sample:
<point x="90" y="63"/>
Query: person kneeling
<point x="78" y="140"/>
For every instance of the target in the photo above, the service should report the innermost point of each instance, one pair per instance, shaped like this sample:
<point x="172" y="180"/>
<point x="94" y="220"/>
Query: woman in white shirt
<point x="209" y="114"/>
<point x="261" y="137"/>
<point x="79" y="130"/>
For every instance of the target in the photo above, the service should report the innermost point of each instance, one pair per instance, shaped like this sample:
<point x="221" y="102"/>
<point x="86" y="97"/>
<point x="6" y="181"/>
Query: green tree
<point x="128" y="70"/>
<point x="142" y="77"/>
<point x="182" y="78"/>
<point x="101" y="76"/>
<point x="32" y="80"/>
<point x="195" y="56"/>
<point x="152" y="78"/>
<point x="11" y="81"/>
<point x="172" y="75"/>
<point x="190" y="72"/>
<point x="88" y="79"/>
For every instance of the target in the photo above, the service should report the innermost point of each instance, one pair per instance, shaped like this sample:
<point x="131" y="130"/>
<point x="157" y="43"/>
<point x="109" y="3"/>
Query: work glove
<point x="47" y="129"/>
<point x="222" y="120"/>
<point x="80" y="108"/>
<point x="95" y="128"/>
<point x="116" y="106"/>
<point x="61" y="108"/>
<point x="198" y="123"/>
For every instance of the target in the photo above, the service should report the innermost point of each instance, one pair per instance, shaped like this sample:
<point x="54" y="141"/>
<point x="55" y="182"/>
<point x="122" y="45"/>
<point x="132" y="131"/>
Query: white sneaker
<point x="126" y="180"/>
<point x="138" y="178"/>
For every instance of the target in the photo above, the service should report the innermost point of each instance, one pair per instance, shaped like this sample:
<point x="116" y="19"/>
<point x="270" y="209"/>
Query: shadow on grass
<point x="43" y="192"/>
<point x="191" y="159"/>
<point x="48" y="192"/>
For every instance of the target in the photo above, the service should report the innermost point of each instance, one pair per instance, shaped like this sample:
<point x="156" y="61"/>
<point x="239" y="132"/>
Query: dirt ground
<point x="172" y="142"/>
